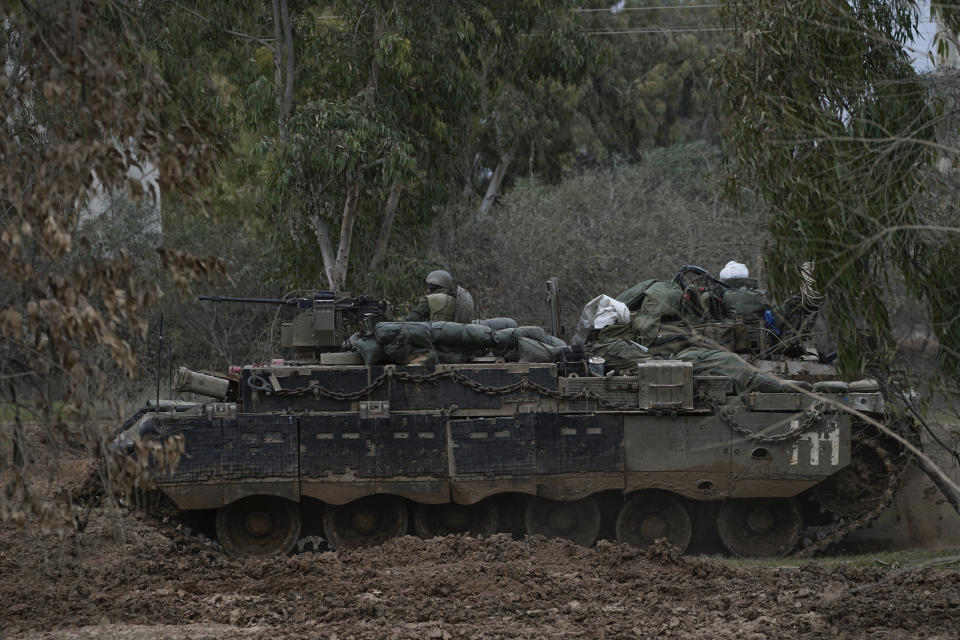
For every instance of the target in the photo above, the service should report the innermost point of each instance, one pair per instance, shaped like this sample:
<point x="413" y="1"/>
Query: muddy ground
<point x="123" y="577"/>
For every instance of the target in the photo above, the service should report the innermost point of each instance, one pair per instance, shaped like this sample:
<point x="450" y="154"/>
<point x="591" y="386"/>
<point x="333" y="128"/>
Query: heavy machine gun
<point x="325" y="321"/>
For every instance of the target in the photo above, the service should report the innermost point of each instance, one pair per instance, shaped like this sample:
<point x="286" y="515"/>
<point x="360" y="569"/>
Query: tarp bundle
<point x="599" y="313"/>
<point x="430" y="343"/>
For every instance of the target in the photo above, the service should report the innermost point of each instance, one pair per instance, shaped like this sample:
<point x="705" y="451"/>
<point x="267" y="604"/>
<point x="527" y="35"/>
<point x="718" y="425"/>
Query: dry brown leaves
<point x="84" y="109"/>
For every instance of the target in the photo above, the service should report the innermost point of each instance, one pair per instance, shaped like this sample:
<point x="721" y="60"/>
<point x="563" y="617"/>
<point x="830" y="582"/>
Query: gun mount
<point x="325" y="321"/>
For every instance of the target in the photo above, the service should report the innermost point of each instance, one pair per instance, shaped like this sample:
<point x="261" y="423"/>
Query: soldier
<point x="443" y="301"/>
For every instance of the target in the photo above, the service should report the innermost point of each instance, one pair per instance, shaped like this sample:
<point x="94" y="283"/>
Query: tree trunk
<point x="288" y="86"/>
<point x="278" y="62"/>
<point x="370" y="92"/>
<point x="326" y="248"/>
<point x="496" y="181"/>
<point x="386" y="225"/>
<point x="284" y="63"/>
<point x="346" y="235"/>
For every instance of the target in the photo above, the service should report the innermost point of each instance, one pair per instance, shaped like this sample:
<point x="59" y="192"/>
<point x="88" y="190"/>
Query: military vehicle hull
<point x="375" y="452"/>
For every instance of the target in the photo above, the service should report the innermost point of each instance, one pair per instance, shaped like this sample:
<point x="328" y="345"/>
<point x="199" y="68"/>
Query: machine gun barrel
<point x="361" y="305"/>
<point x="248" y="300"/>
<point x="303" y="303"/>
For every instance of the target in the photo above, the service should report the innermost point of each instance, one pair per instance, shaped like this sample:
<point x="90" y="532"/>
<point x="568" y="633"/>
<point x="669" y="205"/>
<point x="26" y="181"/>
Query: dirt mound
<point x="122" y="577"/>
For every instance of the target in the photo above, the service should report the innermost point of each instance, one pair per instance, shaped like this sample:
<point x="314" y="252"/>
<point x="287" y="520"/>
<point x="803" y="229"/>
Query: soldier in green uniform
<point x="440" y="303"/>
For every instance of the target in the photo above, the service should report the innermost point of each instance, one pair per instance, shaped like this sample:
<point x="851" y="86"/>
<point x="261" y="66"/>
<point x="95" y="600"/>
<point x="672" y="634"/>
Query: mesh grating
<point x="621" y="391"/>
<point x="714" y="387"/>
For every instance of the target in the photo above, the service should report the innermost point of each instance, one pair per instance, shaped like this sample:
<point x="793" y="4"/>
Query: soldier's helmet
<point x="440" y="278"/>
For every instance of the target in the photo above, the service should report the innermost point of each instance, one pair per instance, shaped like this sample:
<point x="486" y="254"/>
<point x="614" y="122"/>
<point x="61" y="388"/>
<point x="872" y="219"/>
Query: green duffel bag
<point x="713" y="362"/>
<point x="737" y="283"/>
<point x="643" y="328"/>
<point x="618" y="354"/>
<point x="419" y="332"/>
<point x="672" y="338"/>
<point x="715" y="335"/>
<point x="633" y="296"/>
<point x="406" y="342"/>
<point x="745" y="302"/>
<point x="661" y="299"/>
<point x="505" y="341"/>
<point x="615" y="331"/>
<point x="540" y="335"/>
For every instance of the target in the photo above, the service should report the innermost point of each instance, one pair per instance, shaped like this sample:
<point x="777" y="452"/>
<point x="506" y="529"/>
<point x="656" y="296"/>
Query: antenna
<point x="553" y="299"/>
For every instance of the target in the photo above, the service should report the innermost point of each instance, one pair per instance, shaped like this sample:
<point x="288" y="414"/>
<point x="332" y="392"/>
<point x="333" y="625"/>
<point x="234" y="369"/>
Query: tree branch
<point x="245" y="36"/>
<point x="288" y="85"/>
<point x="278" y="63"/>
<point x="496" y="181"/>
<point x="370" y="92"/>
<point x="326" y="248"/>
<point x="346" y="234"/>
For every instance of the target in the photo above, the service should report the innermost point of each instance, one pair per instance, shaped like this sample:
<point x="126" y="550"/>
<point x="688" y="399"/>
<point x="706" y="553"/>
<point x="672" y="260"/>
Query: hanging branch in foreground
<point x="829" y="121"/>
<point x="85" y="114"/>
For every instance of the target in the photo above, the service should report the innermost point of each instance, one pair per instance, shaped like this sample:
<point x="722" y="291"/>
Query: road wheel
<point x="365" y="522"/>
<point x="648" y="515"/>
<point x="759" y="527"/>
<point x="258" y="526"/>
<point x="577" y="521"/>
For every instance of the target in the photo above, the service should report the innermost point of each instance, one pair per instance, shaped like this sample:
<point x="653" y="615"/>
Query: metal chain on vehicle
<point x="258" y="383"/>
<point x="894" y="476"/>
<point x="812" y="417"/>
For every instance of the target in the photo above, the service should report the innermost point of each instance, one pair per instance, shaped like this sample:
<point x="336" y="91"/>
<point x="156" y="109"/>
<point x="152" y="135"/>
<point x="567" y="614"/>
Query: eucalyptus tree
<point x="397" y="99"/>
<point x="828" y="119"/>
<point x="531" y="74"/>
<point x="656" y="88"/>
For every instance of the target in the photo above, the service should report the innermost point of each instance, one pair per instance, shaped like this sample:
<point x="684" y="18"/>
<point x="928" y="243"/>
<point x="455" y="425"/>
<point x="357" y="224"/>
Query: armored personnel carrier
<point x="479" y="444"/>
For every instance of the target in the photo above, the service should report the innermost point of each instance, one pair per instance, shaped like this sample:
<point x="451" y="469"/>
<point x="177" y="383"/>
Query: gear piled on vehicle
<point x="668" y="447"/>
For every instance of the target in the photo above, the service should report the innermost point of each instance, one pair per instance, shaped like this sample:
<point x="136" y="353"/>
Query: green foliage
<point x="655" y="88"/>
<point x="202" y="335"/>
<point x="337" y="138"/>
<point x="827" y="118"/>
<point x="399" y="94"/>
<point x="427" y="95"/>
<point x="530" y="78"/>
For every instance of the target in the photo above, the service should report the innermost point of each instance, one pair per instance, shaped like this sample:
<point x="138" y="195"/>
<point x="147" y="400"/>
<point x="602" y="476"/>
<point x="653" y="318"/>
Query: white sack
<point x="598" y="313"/>
<point x="734" y="269"/>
